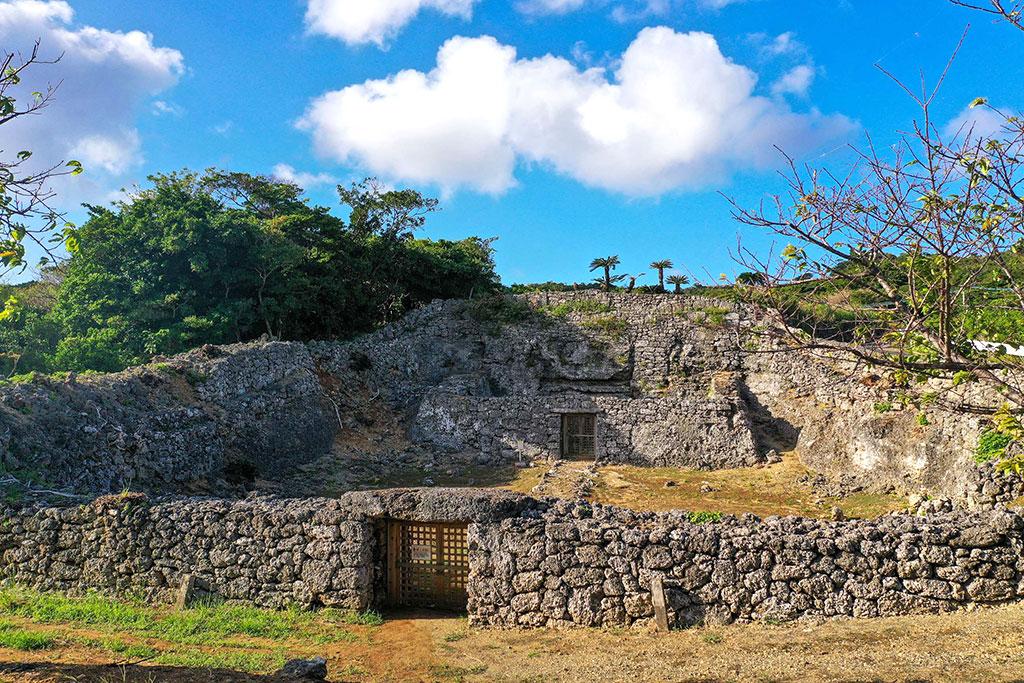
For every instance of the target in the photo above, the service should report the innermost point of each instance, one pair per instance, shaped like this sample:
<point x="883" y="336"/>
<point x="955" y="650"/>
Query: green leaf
<point x="978" y="101"/>
<point x="76" y="167"/>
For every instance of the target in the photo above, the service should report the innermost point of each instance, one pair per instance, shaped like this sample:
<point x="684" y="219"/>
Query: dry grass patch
<point x="772" y="490"/>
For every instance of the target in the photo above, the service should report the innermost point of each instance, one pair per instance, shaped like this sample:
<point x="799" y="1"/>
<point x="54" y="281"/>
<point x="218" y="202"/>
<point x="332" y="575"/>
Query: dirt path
<point x="983" y="645"/>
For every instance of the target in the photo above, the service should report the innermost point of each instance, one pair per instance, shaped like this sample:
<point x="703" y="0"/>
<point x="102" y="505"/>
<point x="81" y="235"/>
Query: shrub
<point x="495" y="312"/>
<point x="613" y="327"/>
<point x="586" y="306"/>
<point x="704" y="517"/>
<point x="994" y="444"/>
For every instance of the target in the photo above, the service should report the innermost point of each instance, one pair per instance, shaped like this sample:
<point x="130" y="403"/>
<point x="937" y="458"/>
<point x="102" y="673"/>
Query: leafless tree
<point x="1011" y="12"/>
<point x="27" y="211"/>
<point x="907" y="259"/>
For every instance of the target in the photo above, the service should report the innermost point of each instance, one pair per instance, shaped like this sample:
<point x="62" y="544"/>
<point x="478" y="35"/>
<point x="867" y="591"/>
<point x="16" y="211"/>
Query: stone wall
<point x="305" y="552"/>
<point x="267" y="551"/>
<point x="592" y="566"/>
<point x="708" y="432"/>
<point x="659" y="372"/>
<point x="163" y="427"/>
<point x="532" y="562"/>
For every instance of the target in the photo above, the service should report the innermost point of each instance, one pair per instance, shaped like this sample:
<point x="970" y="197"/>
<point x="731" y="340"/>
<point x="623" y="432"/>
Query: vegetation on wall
<point x="1002" y="442"/>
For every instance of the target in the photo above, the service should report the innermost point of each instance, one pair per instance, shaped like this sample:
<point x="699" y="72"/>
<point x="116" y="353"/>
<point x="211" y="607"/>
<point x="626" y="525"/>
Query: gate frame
<point x="443" y="591"/>
<point x="563" y="448"/>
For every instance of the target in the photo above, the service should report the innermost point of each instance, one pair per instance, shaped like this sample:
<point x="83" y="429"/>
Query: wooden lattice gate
<point x="427" y="565"/>
<point x="579" y="436"/>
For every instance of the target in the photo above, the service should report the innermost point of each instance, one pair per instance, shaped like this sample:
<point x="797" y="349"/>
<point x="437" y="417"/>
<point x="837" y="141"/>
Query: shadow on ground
<point x="37" y="672"/>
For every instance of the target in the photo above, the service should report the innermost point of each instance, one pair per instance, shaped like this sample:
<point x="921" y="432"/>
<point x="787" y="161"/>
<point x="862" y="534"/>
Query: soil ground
<point x="983" y="645"/>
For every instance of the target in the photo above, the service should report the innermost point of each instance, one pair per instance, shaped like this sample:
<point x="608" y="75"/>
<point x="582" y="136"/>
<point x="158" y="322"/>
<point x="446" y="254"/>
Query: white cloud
<point x="621" y="10"/>
<point x="979" y="122"/>
<point x="307" y="181"/>
<point x="163" y="108"/>
<point x="549" y="6"/>
<point x="784" y="44"/>
<point x="374" y="21"/>
<point x="114" y="152"/>
<point x="675" y="113"/>
<point x="796" y="81"/>
<point x="224" y="128"/>
<point x="105" y="78"/>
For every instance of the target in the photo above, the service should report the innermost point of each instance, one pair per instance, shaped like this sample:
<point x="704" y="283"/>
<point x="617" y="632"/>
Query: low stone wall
<point x="268" y="553"/>
<point x="593" y="566"/>
<point x="531" y="562"/>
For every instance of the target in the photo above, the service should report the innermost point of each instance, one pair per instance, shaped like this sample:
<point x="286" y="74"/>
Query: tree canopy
<point x="225" y="257"/>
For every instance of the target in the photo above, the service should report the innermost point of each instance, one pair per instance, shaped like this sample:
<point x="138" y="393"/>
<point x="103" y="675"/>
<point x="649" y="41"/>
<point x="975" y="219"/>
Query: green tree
<point x="607" y="264"/>
<point x="750" y="278"/>
<point x="224" y="257"/>
<point x="679" y="281"/>
<point x="661" y="266"/>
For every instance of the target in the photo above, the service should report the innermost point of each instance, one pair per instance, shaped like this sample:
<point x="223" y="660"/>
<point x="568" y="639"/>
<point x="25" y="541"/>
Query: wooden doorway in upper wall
<point x="579" y="436"/>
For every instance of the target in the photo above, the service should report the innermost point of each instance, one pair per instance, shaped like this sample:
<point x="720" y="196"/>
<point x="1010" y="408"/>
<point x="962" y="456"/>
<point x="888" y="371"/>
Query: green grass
<point x="587" y="306"/>
<point x="129" y="652"/>
<point x="14" y="637"/>
<point x="92" y="609"/>
<point x="367" y="618"/>
<point x="613" y="327"/>
<point x="198" y="626"/>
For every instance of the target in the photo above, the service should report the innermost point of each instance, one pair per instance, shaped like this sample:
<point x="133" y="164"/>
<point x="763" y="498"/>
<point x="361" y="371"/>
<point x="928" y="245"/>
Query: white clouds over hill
<point x="675" y="113"/>
<point x="374" y="21"/>
<point x="104" y="77"/>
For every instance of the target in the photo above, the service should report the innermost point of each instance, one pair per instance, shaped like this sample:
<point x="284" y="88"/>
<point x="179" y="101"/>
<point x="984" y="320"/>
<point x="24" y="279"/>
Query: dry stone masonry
<point x="531" y="562"/>
<point x="488" y="382"/>
<point x="660" y="373"/>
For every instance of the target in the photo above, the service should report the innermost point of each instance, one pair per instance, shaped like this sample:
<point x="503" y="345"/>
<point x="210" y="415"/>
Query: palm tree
<point x="661" y="267"/>
<point x="749" y="278"/>
<point x="632" y="280"/>
<point x="678" y="281"/>
<point x="608" y="263"/>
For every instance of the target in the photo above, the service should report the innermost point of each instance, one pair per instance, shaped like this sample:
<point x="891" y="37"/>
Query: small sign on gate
<point x="421" y="553"/>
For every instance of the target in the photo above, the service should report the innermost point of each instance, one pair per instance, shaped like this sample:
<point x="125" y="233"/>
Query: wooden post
<point x="658" y="600"/>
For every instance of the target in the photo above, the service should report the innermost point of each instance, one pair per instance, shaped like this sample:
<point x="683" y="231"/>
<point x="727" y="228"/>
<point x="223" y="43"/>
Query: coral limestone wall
<point x="258" y="407"/>
<point x="531" y="562"/>
<point x="493" y="378"/>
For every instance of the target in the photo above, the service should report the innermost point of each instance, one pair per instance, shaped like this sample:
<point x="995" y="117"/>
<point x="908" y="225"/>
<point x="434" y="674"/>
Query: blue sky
<point x="227" y="84"/>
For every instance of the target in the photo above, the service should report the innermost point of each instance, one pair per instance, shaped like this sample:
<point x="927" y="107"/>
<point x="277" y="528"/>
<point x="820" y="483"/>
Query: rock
<point x="836" y="514"/>
<point x="670" y="484"/>
<point x="191" y="592"/>
<point x="304" y="669"/>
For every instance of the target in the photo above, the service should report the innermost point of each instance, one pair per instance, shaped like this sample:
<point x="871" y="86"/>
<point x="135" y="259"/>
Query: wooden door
<point x="428" y="564"/>
<point x="579" y="436"/>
